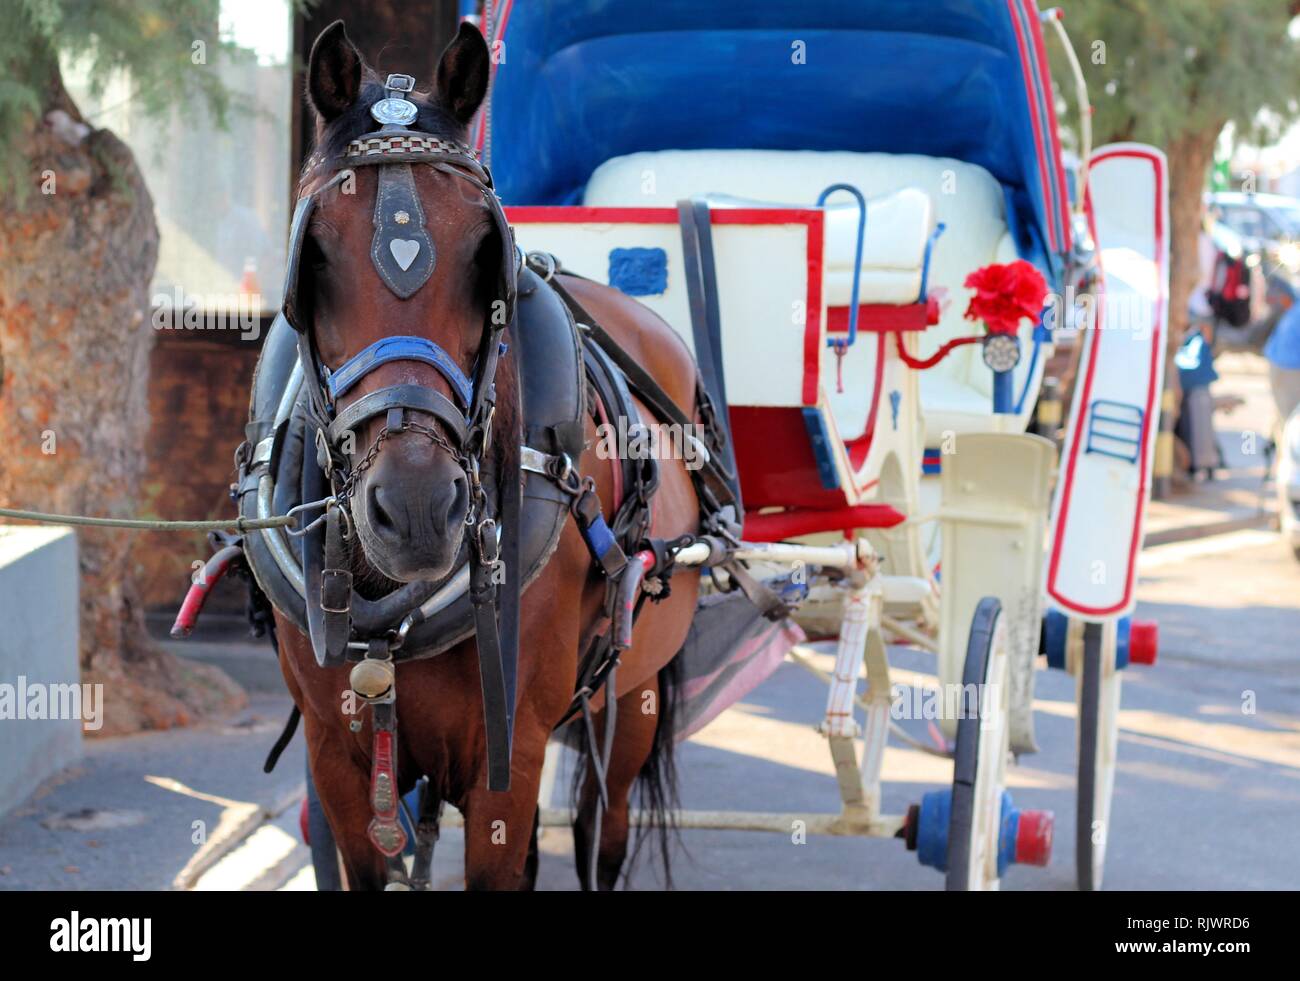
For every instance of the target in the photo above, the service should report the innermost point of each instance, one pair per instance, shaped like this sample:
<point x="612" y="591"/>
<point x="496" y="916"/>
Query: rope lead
<point x="240" y="524"/>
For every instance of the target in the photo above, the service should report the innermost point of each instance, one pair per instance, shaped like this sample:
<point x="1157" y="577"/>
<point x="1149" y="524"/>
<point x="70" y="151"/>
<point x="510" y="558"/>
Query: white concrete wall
<point x="38" y="643"/>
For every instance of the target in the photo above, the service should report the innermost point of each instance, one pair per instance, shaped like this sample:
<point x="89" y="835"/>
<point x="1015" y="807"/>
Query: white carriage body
<point x="784" y="285"/>
<point x="763" y="308"/>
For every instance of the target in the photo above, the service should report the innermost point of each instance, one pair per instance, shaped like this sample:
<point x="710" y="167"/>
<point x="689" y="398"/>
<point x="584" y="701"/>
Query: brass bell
<point x="372" y="678"/>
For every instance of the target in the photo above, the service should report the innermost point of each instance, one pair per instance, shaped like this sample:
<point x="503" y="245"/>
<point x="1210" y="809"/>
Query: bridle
<point x="403" y="254"/>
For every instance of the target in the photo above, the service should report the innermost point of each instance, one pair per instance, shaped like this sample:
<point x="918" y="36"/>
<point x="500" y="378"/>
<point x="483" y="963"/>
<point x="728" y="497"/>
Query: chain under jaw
<point x="352" y="476"/>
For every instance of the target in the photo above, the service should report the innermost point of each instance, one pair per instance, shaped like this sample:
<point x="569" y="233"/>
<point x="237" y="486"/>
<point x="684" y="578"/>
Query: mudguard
<point x="1101" y="498"/>
<point x="996" y="489"/>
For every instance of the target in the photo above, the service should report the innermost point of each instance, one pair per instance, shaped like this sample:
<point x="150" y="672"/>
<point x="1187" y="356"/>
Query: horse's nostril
<point x="459" y="500"/>
<point x="378" y="513"/>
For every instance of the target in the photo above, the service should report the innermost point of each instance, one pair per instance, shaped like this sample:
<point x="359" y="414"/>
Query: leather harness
<point x="519" y="499"/>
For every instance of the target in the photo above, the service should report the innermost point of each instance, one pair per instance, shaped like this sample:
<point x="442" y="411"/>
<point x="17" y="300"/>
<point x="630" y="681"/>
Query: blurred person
<point x="1195" y="426"/>
<point x="1276" y="298"/>
<point x="1282" y="349"/>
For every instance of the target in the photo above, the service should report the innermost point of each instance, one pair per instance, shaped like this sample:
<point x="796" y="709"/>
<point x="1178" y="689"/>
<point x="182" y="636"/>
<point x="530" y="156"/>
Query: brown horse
<point x="409" y="509"/>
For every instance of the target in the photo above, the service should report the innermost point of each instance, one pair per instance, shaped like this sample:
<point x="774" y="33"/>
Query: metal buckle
<point x="561" y="466"/>
<point x="548" y="264"/>
<point x="323" y="456"/>
<point x="325" y="502"/>
<point x="400" y="83"/>
<point x="488" y="547"/>
<point x="487" y="428"/>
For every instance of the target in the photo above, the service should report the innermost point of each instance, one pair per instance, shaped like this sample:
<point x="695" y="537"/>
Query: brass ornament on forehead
<point x="402" y="250"/>
<point x="393" y="110"/>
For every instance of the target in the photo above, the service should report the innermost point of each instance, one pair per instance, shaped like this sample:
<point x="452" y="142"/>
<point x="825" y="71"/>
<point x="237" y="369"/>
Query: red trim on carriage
<point x="1033" y="65"/>
<point x="882" y="318"/>
<point x="1028" y="73"/>
<point x="780" y="525"/>
<point x="812" y="334"/>
<point x="1098" y="334"/>
<point x="503" y="20"/>
<point x="1045" y="82"/>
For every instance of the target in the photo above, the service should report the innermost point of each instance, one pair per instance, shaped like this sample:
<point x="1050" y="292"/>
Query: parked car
<point x="1268" y="224"/>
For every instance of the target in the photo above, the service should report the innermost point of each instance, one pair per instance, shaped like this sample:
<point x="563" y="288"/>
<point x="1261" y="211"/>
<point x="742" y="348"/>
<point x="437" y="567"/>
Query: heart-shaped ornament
<point x="404" y="251"/>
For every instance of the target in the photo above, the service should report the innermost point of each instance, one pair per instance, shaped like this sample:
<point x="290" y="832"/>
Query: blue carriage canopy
<point x="582" y="81"/>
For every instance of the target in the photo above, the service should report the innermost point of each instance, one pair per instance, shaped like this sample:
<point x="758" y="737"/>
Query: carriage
<point x="802" y="190"/>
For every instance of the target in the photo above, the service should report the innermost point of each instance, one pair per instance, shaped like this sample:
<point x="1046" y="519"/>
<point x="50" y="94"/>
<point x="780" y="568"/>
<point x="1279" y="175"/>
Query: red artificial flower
<point x="1005" y="294"/>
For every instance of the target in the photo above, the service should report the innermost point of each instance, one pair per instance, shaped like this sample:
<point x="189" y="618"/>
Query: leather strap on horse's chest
<point x="706" y="326"/>
<point x="495" y="594"/>
<point x="714" y="479"/>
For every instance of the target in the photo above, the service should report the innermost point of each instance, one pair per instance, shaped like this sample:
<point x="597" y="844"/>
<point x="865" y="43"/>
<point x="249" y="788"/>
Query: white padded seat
<point x="965" y="198"/>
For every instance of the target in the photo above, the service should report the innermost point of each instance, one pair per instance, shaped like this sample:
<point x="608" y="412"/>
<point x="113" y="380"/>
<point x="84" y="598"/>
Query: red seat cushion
<point x="779" y="525"/>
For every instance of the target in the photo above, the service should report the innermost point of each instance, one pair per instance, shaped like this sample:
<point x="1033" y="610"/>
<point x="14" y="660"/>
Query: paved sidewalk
<point x="136" y="811"/>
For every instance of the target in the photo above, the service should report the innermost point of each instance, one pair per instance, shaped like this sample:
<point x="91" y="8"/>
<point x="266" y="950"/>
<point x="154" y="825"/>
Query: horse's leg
<point x="344" y="790"/>
<point x="634" y="736"/>
<point x="530" y="864"/>
<point x="339" y="771"/>
<point x="499" y="827"/>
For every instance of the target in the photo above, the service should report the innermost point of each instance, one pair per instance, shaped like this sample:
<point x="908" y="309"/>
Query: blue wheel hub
<point x="1055" y="627"/>
<point x="933" y="819"/>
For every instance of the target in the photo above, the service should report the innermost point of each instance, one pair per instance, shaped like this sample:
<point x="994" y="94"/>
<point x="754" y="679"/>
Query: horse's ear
<point x="463" y="73"/>
<point x="333" y="72"/>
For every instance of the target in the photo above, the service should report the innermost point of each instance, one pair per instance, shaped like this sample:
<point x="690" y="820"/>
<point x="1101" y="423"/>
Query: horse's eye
<point x="313" y="256"/>
<point x="487" y="262"/>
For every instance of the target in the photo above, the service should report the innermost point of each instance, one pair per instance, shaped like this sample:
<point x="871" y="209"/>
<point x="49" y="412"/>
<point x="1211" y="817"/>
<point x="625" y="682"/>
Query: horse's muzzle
<point x="410" y="511"/>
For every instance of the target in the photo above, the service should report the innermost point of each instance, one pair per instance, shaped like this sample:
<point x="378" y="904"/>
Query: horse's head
<point x="404" y="278"/>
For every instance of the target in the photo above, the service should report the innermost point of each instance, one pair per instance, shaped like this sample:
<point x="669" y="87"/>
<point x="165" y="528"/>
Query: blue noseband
<point x="400" y="348"/>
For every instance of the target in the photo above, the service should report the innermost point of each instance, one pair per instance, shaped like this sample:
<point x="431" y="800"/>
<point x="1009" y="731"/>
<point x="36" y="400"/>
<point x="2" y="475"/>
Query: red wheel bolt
<point x="1143" y="641"/>
<point x="1034" y="837"/>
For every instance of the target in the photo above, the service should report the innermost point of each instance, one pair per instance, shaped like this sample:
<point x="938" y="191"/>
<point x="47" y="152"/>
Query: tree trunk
<point x="77" y="253"/>
<point x="1190" y="156"/>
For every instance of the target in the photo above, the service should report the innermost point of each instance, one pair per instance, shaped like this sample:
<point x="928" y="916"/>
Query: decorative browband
<point x="402" y="144"/>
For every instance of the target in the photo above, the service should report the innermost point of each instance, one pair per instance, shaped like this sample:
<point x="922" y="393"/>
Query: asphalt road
<point x="1208" y="785"/>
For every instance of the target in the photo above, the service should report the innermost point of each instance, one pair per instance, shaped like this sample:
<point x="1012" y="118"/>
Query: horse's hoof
<point x="397" y="887"/>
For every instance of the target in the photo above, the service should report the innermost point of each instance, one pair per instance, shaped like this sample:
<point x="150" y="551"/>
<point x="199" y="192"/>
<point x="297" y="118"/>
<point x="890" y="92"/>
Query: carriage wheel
<point x="983" y="743"/>
<point x="1098" y="702"/>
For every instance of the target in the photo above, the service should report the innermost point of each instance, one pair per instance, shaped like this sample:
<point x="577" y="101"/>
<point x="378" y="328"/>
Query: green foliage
<point x="155" y="41"/>
<point x="1161" y="69"/>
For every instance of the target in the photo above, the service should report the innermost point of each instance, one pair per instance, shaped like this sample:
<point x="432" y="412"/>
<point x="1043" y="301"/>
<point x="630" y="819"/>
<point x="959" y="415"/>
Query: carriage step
<point x="1025" y="837"/>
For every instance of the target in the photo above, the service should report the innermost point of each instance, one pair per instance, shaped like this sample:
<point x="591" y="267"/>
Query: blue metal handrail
<point x="857" y="260"/>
